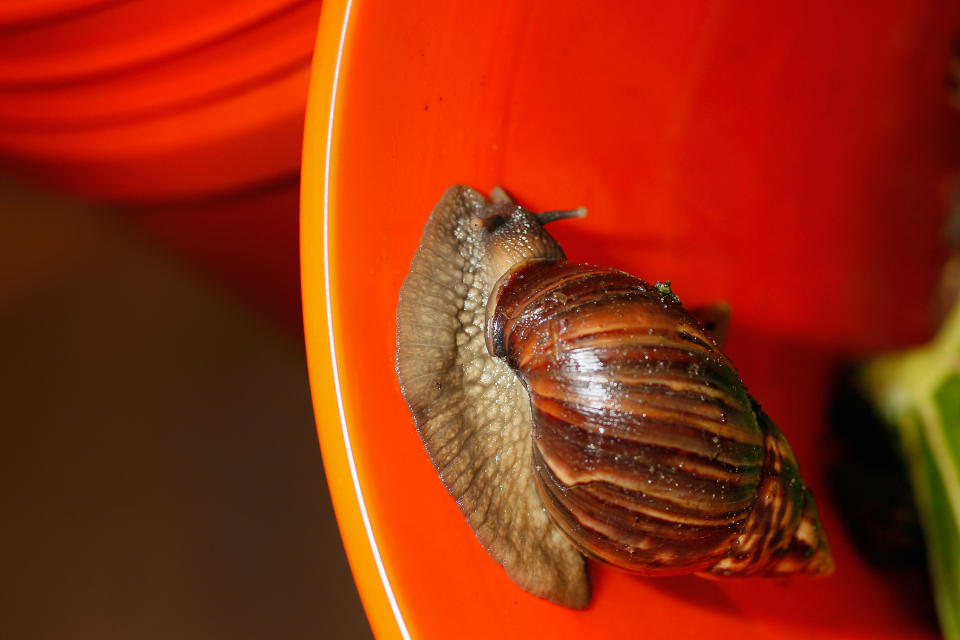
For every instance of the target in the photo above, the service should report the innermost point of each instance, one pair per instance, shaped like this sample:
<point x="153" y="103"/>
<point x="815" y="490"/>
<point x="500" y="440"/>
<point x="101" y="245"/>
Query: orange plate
<point x="792" y="159"/>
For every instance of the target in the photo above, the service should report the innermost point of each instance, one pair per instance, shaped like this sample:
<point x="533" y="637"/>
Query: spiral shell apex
<point x="574" y="409"/>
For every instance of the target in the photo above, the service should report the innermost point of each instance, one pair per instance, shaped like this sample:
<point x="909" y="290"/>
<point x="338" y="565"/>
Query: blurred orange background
<point x="162" y="473"/>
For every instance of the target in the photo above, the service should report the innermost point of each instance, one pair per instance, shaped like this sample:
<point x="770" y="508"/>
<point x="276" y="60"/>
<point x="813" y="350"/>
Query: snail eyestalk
<point x="499" y="195"/>
<point x="546" y="217"/>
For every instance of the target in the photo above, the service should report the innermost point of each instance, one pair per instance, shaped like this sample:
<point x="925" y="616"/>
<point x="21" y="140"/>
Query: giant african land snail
<point x="575" y="410"/>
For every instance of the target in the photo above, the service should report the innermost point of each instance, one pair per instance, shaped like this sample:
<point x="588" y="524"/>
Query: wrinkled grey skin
<point x="470" y="409"/>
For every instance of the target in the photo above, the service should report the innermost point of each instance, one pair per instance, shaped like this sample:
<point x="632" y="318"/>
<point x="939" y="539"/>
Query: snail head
<point x="511" y="235"/>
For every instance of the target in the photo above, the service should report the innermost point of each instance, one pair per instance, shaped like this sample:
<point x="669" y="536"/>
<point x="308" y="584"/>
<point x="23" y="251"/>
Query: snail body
<point x="577" y="410"/>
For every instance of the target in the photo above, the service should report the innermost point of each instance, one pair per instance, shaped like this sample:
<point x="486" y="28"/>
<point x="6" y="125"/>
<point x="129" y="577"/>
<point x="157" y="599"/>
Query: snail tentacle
<point x="546" y="217"/>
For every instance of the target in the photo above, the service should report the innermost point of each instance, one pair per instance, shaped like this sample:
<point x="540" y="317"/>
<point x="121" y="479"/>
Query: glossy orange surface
<point x="155" y="100"/>
<point x="230" y="144"/>
<point x="17" y="13"/>
<point x="795" y="161"/>
<point x="220" y="68"/>
<point x="108" y="37"/>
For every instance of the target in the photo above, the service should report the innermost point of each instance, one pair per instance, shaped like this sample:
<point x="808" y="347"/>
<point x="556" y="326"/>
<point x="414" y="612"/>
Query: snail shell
<point x="572" y="409"/>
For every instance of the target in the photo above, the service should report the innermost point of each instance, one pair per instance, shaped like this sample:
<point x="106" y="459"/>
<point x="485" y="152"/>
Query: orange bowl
<point x="225" y="65"/>
<point x="79" y="40"/>
<point x="792" y="160"/>
<point x="147" y="101"/>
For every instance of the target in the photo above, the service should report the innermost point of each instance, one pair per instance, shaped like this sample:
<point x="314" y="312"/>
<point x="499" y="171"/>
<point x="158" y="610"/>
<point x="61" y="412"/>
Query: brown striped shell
<point x="572" y="410"/>
<point x="649" y="452"/>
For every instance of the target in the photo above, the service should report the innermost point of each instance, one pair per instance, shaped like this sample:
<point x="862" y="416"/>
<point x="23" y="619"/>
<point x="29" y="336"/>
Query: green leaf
<point x="942" y="540"/>
<point x="918" y="393"/>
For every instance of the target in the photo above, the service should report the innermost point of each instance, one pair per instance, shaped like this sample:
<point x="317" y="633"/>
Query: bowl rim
<point x="317" y="204"/>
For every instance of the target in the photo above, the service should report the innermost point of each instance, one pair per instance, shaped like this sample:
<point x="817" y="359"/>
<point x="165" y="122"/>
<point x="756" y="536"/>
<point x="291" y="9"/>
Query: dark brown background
<point x="160" y="471"/>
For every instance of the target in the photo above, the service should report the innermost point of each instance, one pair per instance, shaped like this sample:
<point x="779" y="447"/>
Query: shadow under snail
<point x="574" y="410"/>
